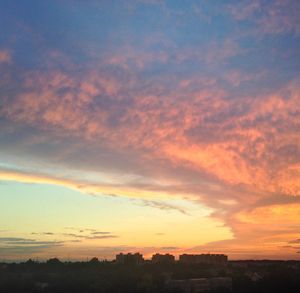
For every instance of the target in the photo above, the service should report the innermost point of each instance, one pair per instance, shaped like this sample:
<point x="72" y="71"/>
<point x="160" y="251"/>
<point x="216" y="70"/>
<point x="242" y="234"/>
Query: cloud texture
<point x="158" y="114"/>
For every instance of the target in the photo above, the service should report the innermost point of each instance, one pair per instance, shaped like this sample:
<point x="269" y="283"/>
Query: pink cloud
<point x="245" y="150"/>
<point x="273" y="17"/>
<point x="5" y="56"/>
<point x="239" y="149"/>
<point x="244" y="10"/>
<point x="212" y="53"/>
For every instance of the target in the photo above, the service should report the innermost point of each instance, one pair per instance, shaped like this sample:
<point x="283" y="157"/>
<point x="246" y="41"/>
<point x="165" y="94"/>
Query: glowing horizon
<point x="150" y="126"/>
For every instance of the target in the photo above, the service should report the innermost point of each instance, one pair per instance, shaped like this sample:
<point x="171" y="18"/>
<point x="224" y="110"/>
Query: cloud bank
<point x="157" y="115"/>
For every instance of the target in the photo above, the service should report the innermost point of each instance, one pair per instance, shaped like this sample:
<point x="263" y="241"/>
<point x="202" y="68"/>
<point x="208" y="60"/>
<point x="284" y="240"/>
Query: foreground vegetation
<point x="109" y="277"/>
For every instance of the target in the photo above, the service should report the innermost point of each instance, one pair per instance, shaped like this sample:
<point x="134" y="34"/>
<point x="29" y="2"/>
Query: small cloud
<point x="102" y="237"/>
<point x="15" y="239"/>
<point x="25" y="241"/>
<point x="73" y="235"/>
<point x="101" y="233"/>
<point x="88" y="230"/>
<point x="161" y="205"/>
<point x="25" y="250"/>
<point x="81" y="230"/>
<point x="169" y="248"/>
<point x="34" y="242"/>
<point x="295" y="241"/>
<point x="42" y="233"/>
<point x="291" y="246"/>
<point x="5" y="56"/>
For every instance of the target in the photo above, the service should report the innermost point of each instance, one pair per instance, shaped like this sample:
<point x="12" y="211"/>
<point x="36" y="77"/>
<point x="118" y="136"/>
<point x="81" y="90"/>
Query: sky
<point x="151" y="126"/>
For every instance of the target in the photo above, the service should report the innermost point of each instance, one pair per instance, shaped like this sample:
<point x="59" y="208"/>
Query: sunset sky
<point x="151" y="126"/>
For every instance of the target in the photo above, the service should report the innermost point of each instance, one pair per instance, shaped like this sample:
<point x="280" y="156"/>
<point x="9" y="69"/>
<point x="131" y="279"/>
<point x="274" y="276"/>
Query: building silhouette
<point x="129" y="258"/>
<point x="163" y="258"/>
<point x="137" y="258"/>
<point x="203" y="258"/>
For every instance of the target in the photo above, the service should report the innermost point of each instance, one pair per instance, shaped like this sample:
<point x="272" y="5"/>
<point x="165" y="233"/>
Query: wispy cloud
<point x="25" y="246"/>
<point x="169" y="248"/>
<point x="42" y="233"/>
<point x="92" y="236"/>
<point x="102" y="237"/>
<point x="100" y="232"/>
<point x="26" y="250"/>
<point x="15" y="239"/>
<point x="162" y="205"/>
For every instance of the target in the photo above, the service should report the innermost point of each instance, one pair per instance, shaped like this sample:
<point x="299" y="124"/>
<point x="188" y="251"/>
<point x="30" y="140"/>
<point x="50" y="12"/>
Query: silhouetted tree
<point x="94" y="260"/>
<point x="53" y="261"/>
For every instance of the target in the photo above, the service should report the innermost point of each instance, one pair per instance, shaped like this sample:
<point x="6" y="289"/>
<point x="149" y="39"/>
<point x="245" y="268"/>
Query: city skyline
<point x="151" y="126"/>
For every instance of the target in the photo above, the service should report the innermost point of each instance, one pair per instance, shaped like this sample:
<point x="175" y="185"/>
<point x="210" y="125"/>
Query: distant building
<point x="203" y="258"/>
<point x="201" y="284"/>
<point x="163" y="258"/>
<point x="129" y="258"/>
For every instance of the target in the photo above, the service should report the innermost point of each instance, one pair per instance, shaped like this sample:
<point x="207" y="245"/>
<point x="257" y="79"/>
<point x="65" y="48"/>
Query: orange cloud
<point x="236" y="149"/>
<point x="229" y="153"/>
